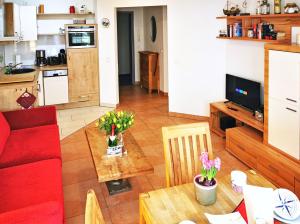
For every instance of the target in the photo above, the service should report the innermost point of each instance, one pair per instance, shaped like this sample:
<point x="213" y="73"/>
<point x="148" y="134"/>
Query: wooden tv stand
<point x="245" y="142"/>
<point x="242" y="116"/>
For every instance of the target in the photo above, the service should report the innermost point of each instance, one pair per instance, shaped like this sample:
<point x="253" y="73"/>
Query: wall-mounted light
<point x="105" y="22"/>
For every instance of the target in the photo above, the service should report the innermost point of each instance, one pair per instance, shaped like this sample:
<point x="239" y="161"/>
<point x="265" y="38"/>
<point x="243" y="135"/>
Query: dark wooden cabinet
<point x="149" y="70"/>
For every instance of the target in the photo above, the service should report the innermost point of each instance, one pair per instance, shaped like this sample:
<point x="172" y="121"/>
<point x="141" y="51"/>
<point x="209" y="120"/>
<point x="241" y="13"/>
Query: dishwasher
<point x="56" y="90"/>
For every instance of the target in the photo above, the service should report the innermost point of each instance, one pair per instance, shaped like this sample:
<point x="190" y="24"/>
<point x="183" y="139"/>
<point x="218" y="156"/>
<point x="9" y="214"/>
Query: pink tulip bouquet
<point x="209" y="170"/>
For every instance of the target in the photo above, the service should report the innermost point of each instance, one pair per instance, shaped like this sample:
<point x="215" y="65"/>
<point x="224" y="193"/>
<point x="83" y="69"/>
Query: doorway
<point x="126" y="61"/>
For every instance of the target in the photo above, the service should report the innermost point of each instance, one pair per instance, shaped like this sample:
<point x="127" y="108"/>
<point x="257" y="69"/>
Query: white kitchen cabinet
<point x="284" y="107"/>
<point x="20" y="22"/>
<point x="28" y="23"/>
<point x="284" y="78"/>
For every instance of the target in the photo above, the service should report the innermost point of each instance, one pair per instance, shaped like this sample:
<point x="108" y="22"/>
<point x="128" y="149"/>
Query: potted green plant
<point x="115" y="124"/>
<point x="206" y="183"/>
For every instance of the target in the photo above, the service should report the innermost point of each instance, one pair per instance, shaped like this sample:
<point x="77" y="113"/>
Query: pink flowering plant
<point x="209" y="170"/>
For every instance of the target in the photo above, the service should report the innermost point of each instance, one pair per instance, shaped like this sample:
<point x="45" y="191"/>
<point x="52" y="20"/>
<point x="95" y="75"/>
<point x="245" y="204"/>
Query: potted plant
<point x="205" y="183"/>
<point x="115" y="124"/>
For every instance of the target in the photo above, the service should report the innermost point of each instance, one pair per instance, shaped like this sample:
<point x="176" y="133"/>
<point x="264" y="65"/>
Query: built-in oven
<point x="81" y="36"/>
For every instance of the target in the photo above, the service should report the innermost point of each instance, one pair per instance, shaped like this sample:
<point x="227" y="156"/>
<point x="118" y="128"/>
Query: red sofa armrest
<point x="34" y="117"/>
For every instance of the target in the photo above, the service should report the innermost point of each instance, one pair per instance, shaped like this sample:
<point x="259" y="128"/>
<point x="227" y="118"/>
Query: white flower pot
<point x="206" y="195"/>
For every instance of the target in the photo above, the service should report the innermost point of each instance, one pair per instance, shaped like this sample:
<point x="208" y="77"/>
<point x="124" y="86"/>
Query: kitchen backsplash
<point x="52" y="44"/>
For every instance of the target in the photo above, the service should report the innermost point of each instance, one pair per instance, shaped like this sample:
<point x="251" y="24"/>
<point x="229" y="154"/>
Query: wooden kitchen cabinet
<point x="8" y="97"/>
<point x="83" y="75"/>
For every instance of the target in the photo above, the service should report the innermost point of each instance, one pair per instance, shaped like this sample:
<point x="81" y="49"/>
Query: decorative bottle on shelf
<point x="258" y="9"/>
<point x="277" y="6"/>
<point x="112" y="140"/>
<point x="265" y="7"/>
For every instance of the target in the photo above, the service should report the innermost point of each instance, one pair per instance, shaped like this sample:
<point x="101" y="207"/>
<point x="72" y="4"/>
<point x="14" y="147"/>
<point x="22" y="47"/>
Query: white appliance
<point x="284" y="107"/>
<point x="56" y="90"/>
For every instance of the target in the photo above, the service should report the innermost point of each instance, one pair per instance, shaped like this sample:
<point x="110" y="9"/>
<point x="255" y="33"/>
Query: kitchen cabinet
<point x="20" y="22"/>
<point x="283" y="102"/>
<point x="9" y="95"/>
<point x="28" y="23"/>
<point x="83" y="75"/>
<point x="12" y="26"/>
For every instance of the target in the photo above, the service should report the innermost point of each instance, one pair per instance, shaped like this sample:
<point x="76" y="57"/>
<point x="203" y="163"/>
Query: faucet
<point x="8" y="68"/>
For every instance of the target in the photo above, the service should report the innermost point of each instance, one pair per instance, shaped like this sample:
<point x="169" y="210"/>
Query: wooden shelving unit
<point x="252" y="39"/>
<point x="282" y="23"/>
<point x="64" y="15"/>
<point x="261" y="16"/>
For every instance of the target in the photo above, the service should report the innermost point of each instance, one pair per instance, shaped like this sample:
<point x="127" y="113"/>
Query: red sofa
<point x="30" y="167"/>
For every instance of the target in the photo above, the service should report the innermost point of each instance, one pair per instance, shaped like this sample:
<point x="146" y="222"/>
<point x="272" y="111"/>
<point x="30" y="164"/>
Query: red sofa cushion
<point x="31" y="145"/>
<point x="20" y="119"/>
<point x="4" y="132"/>
<point x="46" y="213"/>
<point x="31" y="184"/>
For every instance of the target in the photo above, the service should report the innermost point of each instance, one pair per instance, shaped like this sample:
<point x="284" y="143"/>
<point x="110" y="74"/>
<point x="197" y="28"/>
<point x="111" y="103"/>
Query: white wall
<point x="196" y="57"/>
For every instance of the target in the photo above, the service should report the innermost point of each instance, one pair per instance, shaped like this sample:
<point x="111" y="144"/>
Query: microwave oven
<point x="81" y="36"/>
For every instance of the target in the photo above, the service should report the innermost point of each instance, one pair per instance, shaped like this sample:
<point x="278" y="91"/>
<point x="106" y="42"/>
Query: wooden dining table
<point x="175" y="204"/>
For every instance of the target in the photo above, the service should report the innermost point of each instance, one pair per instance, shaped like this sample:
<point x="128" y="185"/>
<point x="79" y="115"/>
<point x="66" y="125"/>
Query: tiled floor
<point x="79" y="173"/>
<point x="72" y="120"/>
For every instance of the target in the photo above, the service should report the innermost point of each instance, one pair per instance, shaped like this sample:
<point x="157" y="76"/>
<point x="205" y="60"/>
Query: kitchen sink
<point x="21" y="71"/>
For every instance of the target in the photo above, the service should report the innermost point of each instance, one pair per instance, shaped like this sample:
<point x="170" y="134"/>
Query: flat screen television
<point x="243" y="92"/>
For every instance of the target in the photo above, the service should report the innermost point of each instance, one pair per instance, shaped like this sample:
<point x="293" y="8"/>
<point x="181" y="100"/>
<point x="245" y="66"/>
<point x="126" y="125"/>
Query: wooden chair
<point x="93" y="214"/>
<point x="183" y="145"/>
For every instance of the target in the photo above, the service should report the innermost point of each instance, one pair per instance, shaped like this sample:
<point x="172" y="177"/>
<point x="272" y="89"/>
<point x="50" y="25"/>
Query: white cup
<point x="238" y="180"/>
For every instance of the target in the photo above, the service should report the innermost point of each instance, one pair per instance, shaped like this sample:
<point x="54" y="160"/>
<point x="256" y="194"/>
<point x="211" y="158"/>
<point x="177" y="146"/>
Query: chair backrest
<point x="183" y="145"/>
<point x="93" y="214"/>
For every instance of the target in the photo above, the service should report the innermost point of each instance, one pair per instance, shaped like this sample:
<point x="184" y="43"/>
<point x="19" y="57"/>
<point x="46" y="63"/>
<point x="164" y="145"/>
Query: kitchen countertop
<point x="52" y="67"/>
<point x="26" y="78"/>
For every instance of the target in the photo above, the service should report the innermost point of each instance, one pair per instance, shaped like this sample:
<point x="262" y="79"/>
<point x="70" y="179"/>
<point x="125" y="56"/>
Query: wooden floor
<point x="78" y="168"/>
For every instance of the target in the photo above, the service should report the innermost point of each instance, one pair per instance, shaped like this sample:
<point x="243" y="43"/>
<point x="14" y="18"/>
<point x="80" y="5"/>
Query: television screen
<point x="243" y="92"/>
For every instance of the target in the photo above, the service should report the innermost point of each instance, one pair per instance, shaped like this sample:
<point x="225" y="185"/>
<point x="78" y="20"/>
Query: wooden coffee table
<point x="111" y="169"/>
